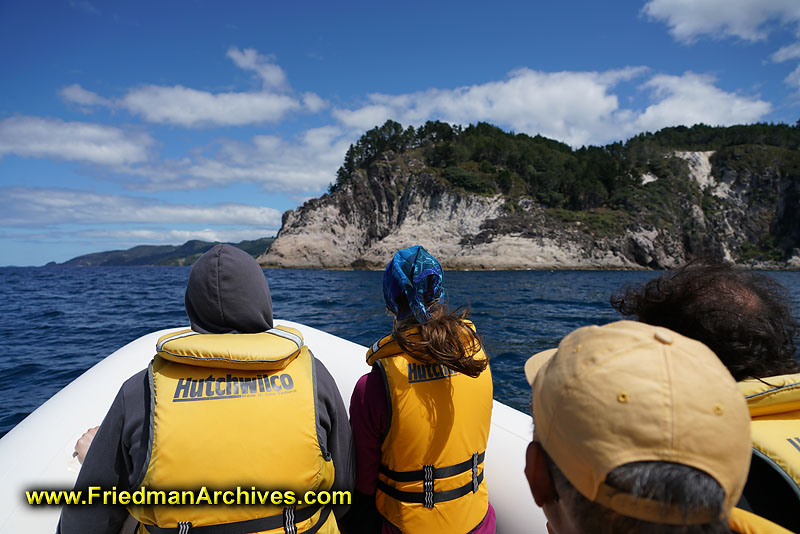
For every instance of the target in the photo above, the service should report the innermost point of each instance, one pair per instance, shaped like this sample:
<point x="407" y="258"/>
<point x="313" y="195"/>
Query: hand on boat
<point x="82" y="445"/>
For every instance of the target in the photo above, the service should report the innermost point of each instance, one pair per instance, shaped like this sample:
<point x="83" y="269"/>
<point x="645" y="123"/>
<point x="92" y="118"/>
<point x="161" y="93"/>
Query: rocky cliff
<point x="740" y="203"/>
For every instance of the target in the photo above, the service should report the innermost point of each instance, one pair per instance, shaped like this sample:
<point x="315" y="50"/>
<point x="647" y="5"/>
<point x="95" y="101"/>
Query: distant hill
<point x="185" y="254"/>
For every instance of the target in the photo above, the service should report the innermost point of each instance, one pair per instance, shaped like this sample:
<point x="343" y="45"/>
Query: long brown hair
<point x="444" y="339"/>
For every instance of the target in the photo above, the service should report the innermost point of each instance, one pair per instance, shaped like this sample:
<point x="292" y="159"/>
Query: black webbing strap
<point x="439" y="472"/>
<point x="326" y="511"/>
<point x="251" y="525"/>
<point x="438" y="496"/>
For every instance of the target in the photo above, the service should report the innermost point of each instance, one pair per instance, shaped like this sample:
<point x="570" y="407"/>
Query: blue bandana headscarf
<point x="413" y="272"/>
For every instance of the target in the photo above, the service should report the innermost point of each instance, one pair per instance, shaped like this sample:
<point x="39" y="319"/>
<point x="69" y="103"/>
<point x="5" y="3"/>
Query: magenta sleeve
<point x="368" y="419"/>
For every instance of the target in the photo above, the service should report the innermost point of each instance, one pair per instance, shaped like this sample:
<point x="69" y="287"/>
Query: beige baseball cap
<point x="630" y="392"/>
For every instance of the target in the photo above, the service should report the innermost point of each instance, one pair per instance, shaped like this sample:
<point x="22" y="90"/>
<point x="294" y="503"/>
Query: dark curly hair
<point x="744" y="317"/>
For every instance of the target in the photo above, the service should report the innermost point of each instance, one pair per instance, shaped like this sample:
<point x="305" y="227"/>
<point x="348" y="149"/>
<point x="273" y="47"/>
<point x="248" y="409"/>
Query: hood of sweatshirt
<point x="228" y="293"/>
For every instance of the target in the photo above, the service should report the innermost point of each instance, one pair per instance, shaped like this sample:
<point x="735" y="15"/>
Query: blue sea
<point x="56" y="322"/>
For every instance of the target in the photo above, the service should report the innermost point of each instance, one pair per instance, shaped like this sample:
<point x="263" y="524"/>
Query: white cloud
<point x="314" y="102"/>
<point x="569" y="106"/>
<point x="751" y="20"/>
<point x="193" y="108"/>
<point x="306" y="164"/>
<point x="794" y="78"/>
<point x="692" y="99"/>
<point x="787" y="53"/>
<point x="746" y="19"/>
<point x="575" y="107"/>
<point x="23" y="206"/>
<point x="367" y="117"/>
<point x="74" y="141"/>
<point x="78" y="95"/>
<point x="272" y="76"/>
<point x="174" y="237"/>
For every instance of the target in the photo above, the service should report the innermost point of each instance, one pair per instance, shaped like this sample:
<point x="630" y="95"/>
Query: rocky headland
<point x="480" y="198"/>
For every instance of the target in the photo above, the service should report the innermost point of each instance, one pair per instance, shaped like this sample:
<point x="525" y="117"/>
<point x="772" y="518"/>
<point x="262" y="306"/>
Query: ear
<point x="538" y="475"/>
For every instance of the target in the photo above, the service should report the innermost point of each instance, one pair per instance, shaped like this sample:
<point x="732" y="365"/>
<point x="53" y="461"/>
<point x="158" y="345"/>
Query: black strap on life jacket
<point x="438" y="472"/>
<point x="428" y="474"/>
<point x="429" y="499"/>
<point x="287" y="520"/>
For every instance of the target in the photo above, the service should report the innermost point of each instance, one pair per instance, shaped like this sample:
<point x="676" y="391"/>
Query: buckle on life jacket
<point x="289" y="526"/>
<point x="475" y="482"/>
<point x="427" y="484"/>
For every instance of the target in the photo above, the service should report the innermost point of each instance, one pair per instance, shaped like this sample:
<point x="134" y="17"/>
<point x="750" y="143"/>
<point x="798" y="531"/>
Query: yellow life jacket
<point x="744" y="522"/>
<point x="774" y="404"/>
<point x="431" y="473"/>
<point x="233" y="412"/>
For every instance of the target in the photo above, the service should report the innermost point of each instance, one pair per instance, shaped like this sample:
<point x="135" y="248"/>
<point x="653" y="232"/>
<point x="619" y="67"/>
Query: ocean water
<point x="56" y="322"/>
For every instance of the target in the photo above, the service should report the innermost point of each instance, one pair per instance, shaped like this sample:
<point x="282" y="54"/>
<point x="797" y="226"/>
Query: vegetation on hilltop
<point x="601" y="187"/>
<point x="484" y="159"/>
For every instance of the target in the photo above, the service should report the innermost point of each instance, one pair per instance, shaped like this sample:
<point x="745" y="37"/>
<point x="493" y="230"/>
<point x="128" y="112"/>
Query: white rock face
<point x="325" y="241"/>
<point x="509" y="252"/>
<point x="648" y="177"/>
<point x="722" y="190"/>
<point x="327" y="238"/>
<point x="439" y="230"/>
<point x="699" y="167"/>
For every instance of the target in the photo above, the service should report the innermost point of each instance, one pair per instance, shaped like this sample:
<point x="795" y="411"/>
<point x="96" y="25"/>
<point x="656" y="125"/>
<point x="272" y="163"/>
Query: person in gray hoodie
<point x="226" y="293"/>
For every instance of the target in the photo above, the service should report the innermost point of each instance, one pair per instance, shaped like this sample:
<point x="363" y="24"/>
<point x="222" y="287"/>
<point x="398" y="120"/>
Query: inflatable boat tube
<point x="38" y="452"/>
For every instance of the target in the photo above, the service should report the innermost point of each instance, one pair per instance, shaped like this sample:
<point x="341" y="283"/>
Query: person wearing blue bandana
<point x="417" y="276"/>
<point x="421" y="417"/>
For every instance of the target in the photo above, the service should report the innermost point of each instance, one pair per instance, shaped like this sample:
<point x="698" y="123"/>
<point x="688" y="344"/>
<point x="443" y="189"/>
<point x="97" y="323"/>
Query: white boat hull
<point x="38" y="452"/>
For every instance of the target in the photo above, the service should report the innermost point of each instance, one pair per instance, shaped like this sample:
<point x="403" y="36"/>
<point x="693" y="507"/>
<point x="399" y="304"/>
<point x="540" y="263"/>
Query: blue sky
<point x="125" y="123"/>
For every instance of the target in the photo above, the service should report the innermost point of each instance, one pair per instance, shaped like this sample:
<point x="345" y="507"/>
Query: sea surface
<point x="56" y="322"/>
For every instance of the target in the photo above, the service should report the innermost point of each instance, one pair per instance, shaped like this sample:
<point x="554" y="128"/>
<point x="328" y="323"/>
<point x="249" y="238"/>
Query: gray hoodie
<point x="227" y="292"/>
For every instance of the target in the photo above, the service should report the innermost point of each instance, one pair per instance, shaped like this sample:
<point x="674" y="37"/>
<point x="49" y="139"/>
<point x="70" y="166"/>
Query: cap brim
<point x="536" y="362"/>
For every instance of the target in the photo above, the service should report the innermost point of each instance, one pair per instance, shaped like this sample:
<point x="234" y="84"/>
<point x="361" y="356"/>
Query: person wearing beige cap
<point x="637" y="429"/>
